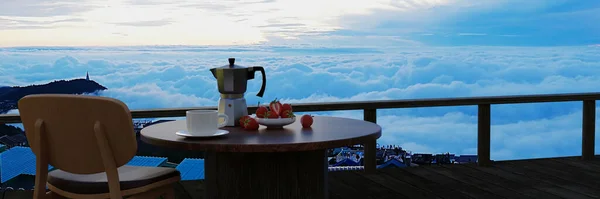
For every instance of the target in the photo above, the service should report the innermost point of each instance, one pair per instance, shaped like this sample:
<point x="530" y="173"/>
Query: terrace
<point x="559" y="177"/>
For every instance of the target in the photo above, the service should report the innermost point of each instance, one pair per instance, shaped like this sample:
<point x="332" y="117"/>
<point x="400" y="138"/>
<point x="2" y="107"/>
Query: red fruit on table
<point x="306" y="121"/>
<point x="243" y="120"/>
<point x="261" y="111"/>
<point x="285" y="107"/>
<point x="251" y="124"/>
<point x="275" y="105"/>
<point x="287" y="114"/>
<point x="272" y="114"/>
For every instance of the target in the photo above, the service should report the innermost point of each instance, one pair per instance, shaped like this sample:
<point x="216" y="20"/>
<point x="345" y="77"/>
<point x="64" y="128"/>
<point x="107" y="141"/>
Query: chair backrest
<point x="68" y="122"/>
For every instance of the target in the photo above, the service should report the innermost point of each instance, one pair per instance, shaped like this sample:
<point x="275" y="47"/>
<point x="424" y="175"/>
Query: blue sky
<point x="333" y="22"/>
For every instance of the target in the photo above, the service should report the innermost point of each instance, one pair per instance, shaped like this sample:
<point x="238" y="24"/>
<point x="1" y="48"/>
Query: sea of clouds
<point x="179" y="76"/>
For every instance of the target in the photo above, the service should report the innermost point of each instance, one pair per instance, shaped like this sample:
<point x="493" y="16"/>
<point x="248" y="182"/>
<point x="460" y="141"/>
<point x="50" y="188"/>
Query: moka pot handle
<point x="264" y="79"/>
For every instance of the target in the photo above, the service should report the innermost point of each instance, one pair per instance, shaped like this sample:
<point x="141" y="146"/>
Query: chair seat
<point x="130" y="177"/>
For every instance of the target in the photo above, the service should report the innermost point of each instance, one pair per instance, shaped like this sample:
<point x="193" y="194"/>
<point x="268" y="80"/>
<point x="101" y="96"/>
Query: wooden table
<point x="286" y="163"/>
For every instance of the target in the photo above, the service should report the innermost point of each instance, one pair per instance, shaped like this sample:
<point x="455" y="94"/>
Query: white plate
<point x="276" y="123"/>
<point x="185" y="133"/>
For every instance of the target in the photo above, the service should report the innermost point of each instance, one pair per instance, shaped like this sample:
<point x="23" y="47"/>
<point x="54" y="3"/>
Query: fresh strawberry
<point x="243" y="120"/>
<point x="287" y="114"/>
<point x="272" y="115"/>
<point x="261" y="111"/>
<point x="285" y="107"/>
<point x="275" y="105"/>
<point x="251" y="124"/>
<point x="306" y="121"/>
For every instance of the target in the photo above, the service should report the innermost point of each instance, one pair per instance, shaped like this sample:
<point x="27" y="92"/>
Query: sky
<point x="312" y="22"/>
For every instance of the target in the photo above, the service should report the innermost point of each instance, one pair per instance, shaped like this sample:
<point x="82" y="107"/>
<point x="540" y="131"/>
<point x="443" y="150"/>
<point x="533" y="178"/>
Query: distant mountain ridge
<point x="9" y="96"/>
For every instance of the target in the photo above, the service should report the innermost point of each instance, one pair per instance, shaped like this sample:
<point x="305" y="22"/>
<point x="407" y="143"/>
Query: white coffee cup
<point x="204" y="122"/>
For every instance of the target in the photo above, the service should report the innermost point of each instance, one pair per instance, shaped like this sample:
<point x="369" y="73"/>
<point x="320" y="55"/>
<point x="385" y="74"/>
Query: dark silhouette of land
<point x="9" y="96"/>
<point x="9" y="130"/>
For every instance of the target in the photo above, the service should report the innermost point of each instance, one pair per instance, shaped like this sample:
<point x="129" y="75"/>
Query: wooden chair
<point x="89" y="140"/>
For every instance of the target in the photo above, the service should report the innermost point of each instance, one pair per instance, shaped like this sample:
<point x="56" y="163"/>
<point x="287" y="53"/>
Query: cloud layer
<point x="178" y="76"/>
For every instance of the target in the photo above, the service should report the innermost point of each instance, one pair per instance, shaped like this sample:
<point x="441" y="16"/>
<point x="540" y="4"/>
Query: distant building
<point x="156" y="122"/>
<point x="87" y="76"/>
<point x="392" y="163"/>
<point x="18" y="165"/>
<point x="346" y="162"/>
<point x="13" y="140"/>
<point x="465" y="159"/>
<point x="445" y="158"/>
<point x="138" y="125"/>
<point x="422" y="159"/>
<point x="17" y="168"/>
<point x="147" y="161"/>
<point x="191" y="169"/>
<point x="346" y="168"/>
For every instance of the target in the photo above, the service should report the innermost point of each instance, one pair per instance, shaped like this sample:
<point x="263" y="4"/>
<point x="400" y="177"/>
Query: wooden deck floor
<point x="537" y="178"/>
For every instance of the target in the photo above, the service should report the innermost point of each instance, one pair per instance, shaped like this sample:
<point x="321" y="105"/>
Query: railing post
<point x="370" y="159"/>
<point x="483" y="134"/>
<point x="370" y="146"/>
<point x="370" y="115"/>
<point x="588" y="130"/>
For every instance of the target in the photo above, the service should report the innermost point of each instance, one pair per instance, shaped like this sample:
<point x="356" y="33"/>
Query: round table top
<point x="325" y="132"/>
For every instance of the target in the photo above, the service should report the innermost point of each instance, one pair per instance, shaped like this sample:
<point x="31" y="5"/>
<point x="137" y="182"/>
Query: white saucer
<point x="185" y="133"/>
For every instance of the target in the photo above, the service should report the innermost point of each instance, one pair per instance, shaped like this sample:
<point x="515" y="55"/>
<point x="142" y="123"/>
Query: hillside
<point x="9" y="96"/>
<point x="9" y="130"/>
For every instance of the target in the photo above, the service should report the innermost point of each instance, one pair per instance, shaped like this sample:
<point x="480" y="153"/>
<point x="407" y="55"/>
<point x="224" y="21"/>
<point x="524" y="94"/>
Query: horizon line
<point x="276" y="45"/>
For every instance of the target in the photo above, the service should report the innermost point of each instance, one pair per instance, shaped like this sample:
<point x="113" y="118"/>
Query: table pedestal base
<point x="290" y="175"/>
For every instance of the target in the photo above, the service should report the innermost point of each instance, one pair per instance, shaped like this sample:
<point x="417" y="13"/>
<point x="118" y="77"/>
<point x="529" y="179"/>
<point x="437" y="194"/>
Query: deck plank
<point x="501" y="181"/>
<point x="567" y="173"/>
<point x="568" y="188"/>
<point x="401" y="187"/>
<point x="423" y="183"/>
<point x="472" y="191"/>
<point x="17" y="194"/>
<point x="452" y="171"/>
<point x="339" y="189"/>
<point x="189" y="189"/>
<point x="589" y="166"/>
<point x="375" y="190"/>
<point x="524" y="180"/>
<point x="550" y="178"/>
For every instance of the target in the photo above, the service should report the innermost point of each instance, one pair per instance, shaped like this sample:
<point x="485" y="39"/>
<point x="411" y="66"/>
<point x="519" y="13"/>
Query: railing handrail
<point x="375" y="104"/>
